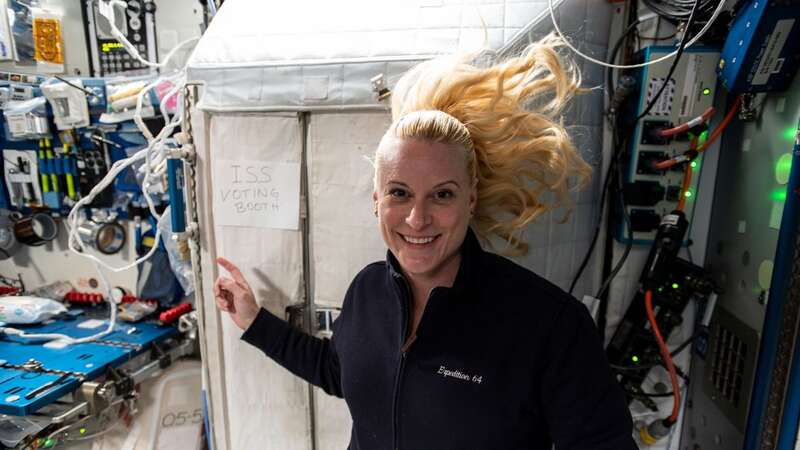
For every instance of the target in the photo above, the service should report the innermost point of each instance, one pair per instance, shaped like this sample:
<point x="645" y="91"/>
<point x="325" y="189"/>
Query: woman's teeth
<point x="421" y="240"/>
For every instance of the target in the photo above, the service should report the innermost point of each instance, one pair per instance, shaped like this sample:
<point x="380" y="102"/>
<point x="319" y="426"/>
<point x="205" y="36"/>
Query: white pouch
<point x="70" y="108"/>
<point x="28" y="310"/>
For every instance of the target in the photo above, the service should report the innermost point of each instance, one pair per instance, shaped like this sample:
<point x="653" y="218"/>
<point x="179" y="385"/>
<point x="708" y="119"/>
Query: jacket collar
<point x="469" y="267"/>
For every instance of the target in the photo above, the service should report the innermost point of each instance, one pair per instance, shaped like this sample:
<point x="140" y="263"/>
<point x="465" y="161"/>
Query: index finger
<point x="232" y="269"/>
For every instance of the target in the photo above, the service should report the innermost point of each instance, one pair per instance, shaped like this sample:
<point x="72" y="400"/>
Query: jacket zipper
<point x="397" y="383"/>
<point x="403" y="354"/>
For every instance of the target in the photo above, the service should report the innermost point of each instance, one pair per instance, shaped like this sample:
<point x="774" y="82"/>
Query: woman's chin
<point x="415" y="266"/>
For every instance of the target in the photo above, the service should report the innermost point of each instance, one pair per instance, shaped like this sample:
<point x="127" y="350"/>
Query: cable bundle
<point x="680" y="10"/>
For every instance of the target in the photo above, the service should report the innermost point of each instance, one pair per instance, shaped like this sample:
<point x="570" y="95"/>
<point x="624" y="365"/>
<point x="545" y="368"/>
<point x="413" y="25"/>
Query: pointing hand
<point x="235" y="296"/>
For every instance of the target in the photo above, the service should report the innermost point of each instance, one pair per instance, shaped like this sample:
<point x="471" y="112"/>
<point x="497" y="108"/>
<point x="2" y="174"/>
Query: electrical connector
<point x="655" y="431"/>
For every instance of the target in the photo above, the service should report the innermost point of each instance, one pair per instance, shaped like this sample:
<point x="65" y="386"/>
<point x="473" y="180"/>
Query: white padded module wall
<point x="264" y="56"/>
<point x="266" y="406"/>
<point x="344" y="232"/>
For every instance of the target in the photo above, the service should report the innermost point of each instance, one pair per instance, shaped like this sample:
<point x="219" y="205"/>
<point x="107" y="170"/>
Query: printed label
<point x="687" y="105"/>
<point x="770" y="63"/>
<point x="663" y="106"/>
<point x="449" y="373"/>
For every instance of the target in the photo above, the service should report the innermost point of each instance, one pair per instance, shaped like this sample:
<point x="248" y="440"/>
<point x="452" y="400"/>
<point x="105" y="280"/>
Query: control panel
<point x="676" y="126"/>
<point x="136" y="21"/>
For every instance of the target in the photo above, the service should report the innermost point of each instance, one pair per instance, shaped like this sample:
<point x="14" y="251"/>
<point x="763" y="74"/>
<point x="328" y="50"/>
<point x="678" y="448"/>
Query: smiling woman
<point x="445" y="345"/>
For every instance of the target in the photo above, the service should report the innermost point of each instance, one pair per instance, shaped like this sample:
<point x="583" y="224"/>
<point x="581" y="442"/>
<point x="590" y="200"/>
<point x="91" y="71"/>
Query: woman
<point x="445" y="345"/>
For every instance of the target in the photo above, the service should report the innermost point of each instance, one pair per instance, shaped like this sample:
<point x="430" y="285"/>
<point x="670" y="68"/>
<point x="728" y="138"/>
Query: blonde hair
<point x="505" y="117"/>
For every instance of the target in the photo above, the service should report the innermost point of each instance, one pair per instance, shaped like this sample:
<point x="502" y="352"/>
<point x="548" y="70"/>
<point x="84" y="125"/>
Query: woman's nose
<point x="419" y="216"/>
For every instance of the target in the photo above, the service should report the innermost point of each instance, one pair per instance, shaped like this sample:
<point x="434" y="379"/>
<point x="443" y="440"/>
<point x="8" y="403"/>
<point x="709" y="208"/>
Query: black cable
<point x="71" y="84"/>
<point x="677" y="59"/>
<point x="629" y="244"/>
<point x="679" y="10"/>
<point x="647" y="394"/>
<point x="658" y="38"/>
<point x="673" y="354"/>
<point x="610" y="90"/>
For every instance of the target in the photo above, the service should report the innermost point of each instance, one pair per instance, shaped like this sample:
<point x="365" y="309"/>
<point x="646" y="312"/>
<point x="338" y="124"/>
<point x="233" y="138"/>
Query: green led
<point x="82" y="430"/>
<point x="778" y="195"/>
<point x="693" y="164"/>
<point x="702" y="138"/>
<point x="675" y="286"/>
<point x="783" y="167"/>
<point x="688" y="194"/>
<point x="49" y="443"/>
<point x="790" y="133"/>
<point x="635" y="359"/>
<point x="706" y="91"/>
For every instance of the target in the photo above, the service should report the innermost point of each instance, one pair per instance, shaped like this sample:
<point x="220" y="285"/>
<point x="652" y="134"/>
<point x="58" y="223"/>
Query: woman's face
<point x="424" y="197"/>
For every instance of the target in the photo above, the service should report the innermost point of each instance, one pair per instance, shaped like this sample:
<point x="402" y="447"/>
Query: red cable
<point x="667" y="163"/>
<point x="684" y="127"/>
<point x="662" y="346"/>
<point x="687" y="180"/>
<point x="721" y="127"/>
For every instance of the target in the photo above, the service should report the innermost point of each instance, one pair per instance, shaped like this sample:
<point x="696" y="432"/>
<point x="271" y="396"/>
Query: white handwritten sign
<point x="257" y="194"/>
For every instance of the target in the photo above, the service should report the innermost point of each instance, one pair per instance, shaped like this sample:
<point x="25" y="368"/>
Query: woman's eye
<point x="444" y="195"/>
<point x="398" y="193"/>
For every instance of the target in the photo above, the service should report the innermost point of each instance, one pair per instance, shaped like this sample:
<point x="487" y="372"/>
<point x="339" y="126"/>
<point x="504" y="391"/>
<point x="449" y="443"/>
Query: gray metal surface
<point x="730" y="365"/>
<point x="744" y="230"/>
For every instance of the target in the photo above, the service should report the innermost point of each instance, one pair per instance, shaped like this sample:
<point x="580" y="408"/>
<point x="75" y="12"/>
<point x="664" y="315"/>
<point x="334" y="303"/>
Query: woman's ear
<point x="473" y="196"/>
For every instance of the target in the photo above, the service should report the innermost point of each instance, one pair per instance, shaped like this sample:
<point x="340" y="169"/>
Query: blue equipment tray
<point x="90" y="359"/>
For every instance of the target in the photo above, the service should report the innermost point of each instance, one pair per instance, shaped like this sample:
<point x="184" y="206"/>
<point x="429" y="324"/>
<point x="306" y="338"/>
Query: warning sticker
<point x="663" y="106"/>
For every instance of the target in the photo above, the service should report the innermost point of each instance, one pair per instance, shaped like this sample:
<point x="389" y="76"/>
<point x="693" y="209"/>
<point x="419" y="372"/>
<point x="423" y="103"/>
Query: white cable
<point x="107" y="9"/>
<point x="154" y="147"/>
<point x="633" y="66"/>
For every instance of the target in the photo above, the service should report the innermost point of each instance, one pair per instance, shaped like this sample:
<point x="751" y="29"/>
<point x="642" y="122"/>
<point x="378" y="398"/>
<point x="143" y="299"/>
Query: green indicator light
<point x="688" y="194"/>
<point x="675" y="286"/>
<point x="783" y="168"/>
<point x="706" y="91"/>
<point x="635" y="359"/>
<point x="82" y="430"/>
<point x="48" y="443"/>
<point x="790" y="133"/>
<point x="693" y="164"/>
<point x="778" y="195"/>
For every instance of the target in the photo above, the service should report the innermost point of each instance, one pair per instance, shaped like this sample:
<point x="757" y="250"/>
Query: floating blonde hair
<point x="505" y="118"/>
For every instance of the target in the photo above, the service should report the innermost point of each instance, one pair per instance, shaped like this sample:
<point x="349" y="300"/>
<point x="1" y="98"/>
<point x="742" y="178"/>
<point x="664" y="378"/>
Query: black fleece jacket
<point x="503" y="360"/>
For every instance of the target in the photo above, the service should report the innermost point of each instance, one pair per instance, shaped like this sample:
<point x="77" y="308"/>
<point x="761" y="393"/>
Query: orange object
<point x="172" y="314"/>
<point x="8" y="290"/>
<point x="47" y="41"/>
<point x="88" y="298"/>
<point x="687" y="180"/>
<point x="662" y="346"/>
<point x="721" y="127"/>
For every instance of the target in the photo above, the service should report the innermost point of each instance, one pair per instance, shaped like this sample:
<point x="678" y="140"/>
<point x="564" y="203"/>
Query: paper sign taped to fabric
<point x="261" y="194"/>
